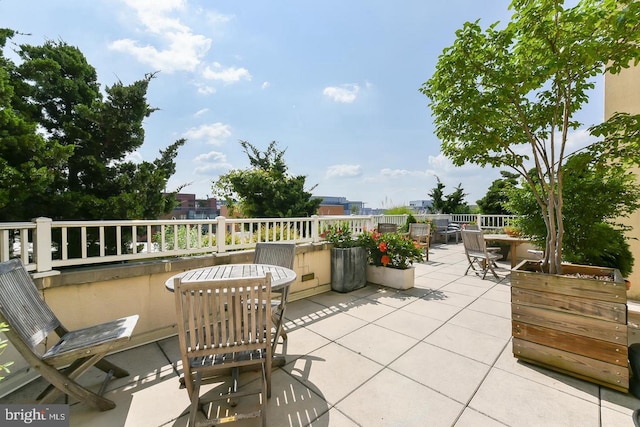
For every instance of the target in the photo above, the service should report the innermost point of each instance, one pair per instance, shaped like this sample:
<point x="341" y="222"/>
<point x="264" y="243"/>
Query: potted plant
<point x="510" y="96"/>
<point x="390" y="257"/>
<point x="348" y="258"/>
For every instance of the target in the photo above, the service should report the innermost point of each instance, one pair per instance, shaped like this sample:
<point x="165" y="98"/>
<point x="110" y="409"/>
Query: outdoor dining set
<point x="229" y="319"/>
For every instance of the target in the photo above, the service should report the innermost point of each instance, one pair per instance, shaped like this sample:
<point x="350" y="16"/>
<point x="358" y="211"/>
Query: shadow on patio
<point x="438" y="354"/>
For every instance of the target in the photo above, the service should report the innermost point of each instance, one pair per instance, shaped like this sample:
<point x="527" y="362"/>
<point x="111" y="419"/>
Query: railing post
<point x="315" y="228"/>
<point x="221" y="233"/>
<point x="4" y="245"/>
<point x="479" y="221"/>
<point x="369" y="223"/>
<point x="41" y="244"/>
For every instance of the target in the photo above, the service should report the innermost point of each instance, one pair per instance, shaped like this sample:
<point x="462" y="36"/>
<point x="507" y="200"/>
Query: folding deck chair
<point x="475" y="249"/>
<point x="31" y="321"/>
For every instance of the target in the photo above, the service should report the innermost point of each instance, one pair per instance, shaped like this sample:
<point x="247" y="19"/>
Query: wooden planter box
<point x="576" y="326"/>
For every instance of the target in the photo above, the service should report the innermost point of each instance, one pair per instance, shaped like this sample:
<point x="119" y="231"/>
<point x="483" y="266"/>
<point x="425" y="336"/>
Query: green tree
<point x="81" y="151"/>
<point x="266" y="189"/>
<point x="437" y="198"/>
<point x="498" y="89"/>
<point x="494" y="202"/>
<point x="452" y="203"/>
<point x="27" y="159"/>
<point x="595" y="199"/>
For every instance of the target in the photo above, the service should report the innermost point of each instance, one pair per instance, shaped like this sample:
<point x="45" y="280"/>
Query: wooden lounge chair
<point x="220" y="327"/>
<point x="31" y="321"/>
<point x="476" y="251"/>
<point x="283" y="255"/>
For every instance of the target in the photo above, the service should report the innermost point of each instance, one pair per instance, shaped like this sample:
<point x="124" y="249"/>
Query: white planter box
<point x="391" y="277"/>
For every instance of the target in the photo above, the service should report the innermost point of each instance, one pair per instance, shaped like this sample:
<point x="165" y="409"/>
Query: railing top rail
<point x="15" y="225"/>
<point x="130" y="222"/>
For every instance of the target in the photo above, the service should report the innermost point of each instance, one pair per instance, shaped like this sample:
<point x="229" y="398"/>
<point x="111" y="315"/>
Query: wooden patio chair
<point x="421" y="234"/>
<point x="283" y="255"/>
<point x="444" y="229"/>
<point x="476" y="227"/>
<point x="387" y="227"/>
<point x="476" y="251"/>
<point x="220" y="327"/>
<point x="31" y="322"/>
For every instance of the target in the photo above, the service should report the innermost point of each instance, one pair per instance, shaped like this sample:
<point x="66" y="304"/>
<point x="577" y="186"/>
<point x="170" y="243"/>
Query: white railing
<point x="487" y="222"/>
<point x="44" y="245"/>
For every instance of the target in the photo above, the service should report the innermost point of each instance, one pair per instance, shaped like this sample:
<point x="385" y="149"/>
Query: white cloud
<point x="214" y="133"/>
<point x="344" y="171"/>
<point x="152" y="13"/>
<point x="183" y="53"/>
<point x="212" y="167"/>
<point x="216" y="18"/>
<point x="346" y="93"/>
<point x="227" y="75"/>
<point x="205" y="90"/>
<point x="211" y="162"/>
<point x="201" y="112"/>
<point x="181" y="50"/>
<point x="265" y="85"/>
<point x="211" y="156"/>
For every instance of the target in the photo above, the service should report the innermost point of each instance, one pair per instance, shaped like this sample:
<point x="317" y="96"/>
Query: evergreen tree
<point x="494" y="202"/>
<point x="453" y="203"/>
<point x="84" y="137"/>
<point x="266" y="189"/>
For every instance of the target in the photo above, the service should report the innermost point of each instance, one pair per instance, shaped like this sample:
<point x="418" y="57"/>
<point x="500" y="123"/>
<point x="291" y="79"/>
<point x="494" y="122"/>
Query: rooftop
<point x="438" y="354"/>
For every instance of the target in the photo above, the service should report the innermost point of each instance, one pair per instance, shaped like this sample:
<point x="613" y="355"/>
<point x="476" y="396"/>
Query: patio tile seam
<point x="334" y="405"/>
<point x="598" y="396"/>
<point x="129" y="381"/>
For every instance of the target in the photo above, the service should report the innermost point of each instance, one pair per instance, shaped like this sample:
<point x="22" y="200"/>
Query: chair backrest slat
<point x="22" y="305"/>
<point x="417" y="229"/>
<point x="473" y="241"/>
<point x="387" y="227"/>
<point x="280" y="254"/>
<point x="224" y="316"/>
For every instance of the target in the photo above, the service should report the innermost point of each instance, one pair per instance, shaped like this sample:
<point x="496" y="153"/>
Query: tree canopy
<point x="595" y="200"/>
<point x="266" y="189"/>
<point x="452" y="203"/>
<point x="496" y="199"/>
<point x="508" y="96"/>
<point x="63" y="143"/>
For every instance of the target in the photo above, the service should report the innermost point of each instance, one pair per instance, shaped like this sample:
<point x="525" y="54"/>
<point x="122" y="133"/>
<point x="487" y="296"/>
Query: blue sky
<point x="335" y="83"/>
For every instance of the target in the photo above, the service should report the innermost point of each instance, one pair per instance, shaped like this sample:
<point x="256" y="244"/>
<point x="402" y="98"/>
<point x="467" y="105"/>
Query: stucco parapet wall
<point x="102" y="273"/>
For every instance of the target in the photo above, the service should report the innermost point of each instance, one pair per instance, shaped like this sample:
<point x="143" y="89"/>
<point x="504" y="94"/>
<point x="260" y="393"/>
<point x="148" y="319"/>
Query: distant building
<point x="420" y="206"/>
<point x="191" y="208"/>
<point x="332" y="205"/>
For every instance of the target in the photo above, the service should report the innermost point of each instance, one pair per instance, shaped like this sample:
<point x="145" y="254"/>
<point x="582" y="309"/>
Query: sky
<point x="335" y="83"/>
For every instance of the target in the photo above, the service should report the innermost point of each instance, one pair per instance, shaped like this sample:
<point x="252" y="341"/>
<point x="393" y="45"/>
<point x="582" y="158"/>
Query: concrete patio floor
<point x="435" y="355"/>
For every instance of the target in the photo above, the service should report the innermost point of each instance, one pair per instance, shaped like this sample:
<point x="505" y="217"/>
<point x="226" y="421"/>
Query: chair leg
<point x="268" y="367"/>
<point x="195" y="400"/>
<point x="67" y="385"/>
<point x="74" y="371"/>
<point x="106" y="367"/>
<point x="264" y="396"/>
